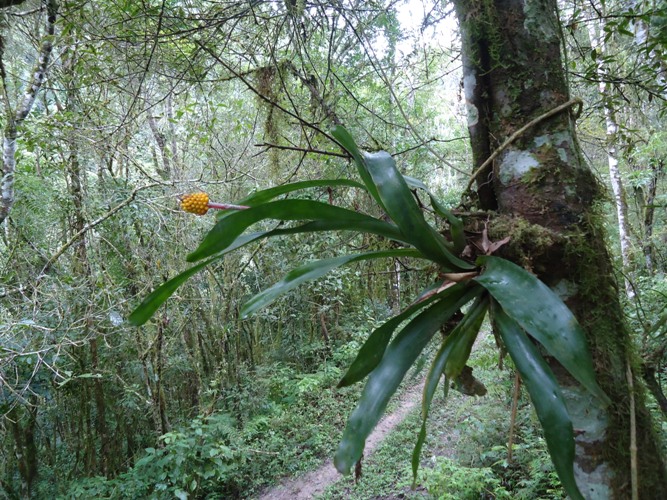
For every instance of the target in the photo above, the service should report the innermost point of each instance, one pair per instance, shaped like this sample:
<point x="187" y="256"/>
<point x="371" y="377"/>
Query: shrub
<point x="449" y="481"/>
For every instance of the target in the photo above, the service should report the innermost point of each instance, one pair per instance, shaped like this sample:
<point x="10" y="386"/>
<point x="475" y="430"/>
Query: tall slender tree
<point x="598" y="46"/>
<point x="14" y="117"/>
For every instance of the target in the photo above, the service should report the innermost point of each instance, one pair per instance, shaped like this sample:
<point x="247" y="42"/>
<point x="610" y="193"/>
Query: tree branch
<point x="302" y="150"/>
<point x="252" y="88"/>
<point x="93" y="224"/>
<point x="8" y="3"/>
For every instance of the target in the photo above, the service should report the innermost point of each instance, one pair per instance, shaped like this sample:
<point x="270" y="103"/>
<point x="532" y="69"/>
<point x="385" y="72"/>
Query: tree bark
<point x="644" y="41"/>
<point x="545" y="194"/>
<point x="161" y="142"/>
<point x="8" y="3"/>
<point x="649" y="374"/>
<point x="645" y="200"/>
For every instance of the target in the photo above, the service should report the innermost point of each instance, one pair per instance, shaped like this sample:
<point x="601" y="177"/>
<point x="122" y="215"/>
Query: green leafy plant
<point x="520" y="306"/>
<point x="190" y="462"/>
<point x="448" y="481"/>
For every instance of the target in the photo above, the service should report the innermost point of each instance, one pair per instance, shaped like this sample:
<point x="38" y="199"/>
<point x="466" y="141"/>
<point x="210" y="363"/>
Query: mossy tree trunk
<point x="545" y="196"/>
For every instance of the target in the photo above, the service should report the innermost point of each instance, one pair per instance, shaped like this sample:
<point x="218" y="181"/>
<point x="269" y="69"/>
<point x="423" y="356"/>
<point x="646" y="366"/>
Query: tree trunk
<point x="644" y="41"/>
<point x="161" y="141"/>
<point x="15" y="118"/>
<point x="25" y="448"/>
<point x="653" y="384"/>
<point x="545" y="195"/>
<point x="159" y="382"/>
<point x="645" y="199"/>
<point x="596" y="33"/>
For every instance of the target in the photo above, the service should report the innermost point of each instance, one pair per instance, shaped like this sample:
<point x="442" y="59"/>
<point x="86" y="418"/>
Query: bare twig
<point x="302" y="150"/>
<point x="26" y="12"/>
<point x="427" y="141"/>
<point x="256" y="91"/>
<point x="377" y="67"/>
<point x="315" y="93"/>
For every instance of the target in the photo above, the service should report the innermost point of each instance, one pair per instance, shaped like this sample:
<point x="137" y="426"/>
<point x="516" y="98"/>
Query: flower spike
<point x="199" y="204"/>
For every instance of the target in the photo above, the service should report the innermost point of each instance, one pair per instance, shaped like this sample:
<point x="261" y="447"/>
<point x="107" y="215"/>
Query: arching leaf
<point x="347" y="141"/>
<point x="404" y="211"/>
<point x="367" y="225"/>
<point x="314" y="270"/>
<point x="450" y="360"/>
<point x="542" y="314"/>
<point x="387" y="376"/>
<point x="228" y="228"/>
<point x="371" y="352"/>
<point x="157" y="297"/>
<point x="545" y="395"/>
<point x="455" y="224"/>
<point x="268" y="194"/>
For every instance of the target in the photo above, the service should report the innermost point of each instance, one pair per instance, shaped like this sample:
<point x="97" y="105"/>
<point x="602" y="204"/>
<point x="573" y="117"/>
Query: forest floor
<point x="316" y="482"/>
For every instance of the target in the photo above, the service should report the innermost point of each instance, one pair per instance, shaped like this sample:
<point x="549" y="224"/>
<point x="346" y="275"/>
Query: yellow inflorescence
<point x="195" y="203"/>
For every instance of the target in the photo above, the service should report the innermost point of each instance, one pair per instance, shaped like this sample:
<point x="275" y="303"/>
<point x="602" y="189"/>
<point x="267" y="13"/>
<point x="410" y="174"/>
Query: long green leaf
<point x="455" y="224"/>
<point x="157" y="297"/>
<point x="347" y="141"/>
<point x="371" y="352"/>
<point x="389" y="188"/>
<point x="545" y="395"/>
<point x="450" y="360"/>
<point x="385" y="379"/>
<point x="268" y="194"/>
<point x="228" y="228"/>
<point x="404" y="211"/>
<point x="314" y="270"/>
<point x="543" y="315"/>
<point x="462" y="342"/>
<point x="369" y="225"/>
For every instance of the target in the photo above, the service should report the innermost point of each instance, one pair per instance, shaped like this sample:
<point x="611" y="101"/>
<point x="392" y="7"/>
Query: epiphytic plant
<point x="520" y="306"/>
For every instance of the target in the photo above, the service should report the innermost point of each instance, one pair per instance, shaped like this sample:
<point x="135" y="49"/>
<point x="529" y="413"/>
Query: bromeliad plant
<point x="520" y="306"/>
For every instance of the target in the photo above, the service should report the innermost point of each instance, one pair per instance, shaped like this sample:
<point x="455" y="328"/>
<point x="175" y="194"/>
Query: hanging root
<point x="515" y="404"/>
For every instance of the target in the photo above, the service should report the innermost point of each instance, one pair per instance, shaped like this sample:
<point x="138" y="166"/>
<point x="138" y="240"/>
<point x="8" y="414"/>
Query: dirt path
<point x="314" y="483"/>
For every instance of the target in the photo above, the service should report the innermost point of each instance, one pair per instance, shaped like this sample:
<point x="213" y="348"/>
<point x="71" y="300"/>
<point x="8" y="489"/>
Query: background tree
<point x="14" y="117"/>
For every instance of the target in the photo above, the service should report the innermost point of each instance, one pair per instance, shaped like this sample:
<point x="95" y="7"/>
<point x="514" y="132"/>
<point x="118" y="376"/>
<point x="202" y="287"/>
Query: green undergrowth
<point x="287" y="423"/>
<point x="279" y="422"/>
<point x="220" y="456"/>
<point x="465" y="455"/>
